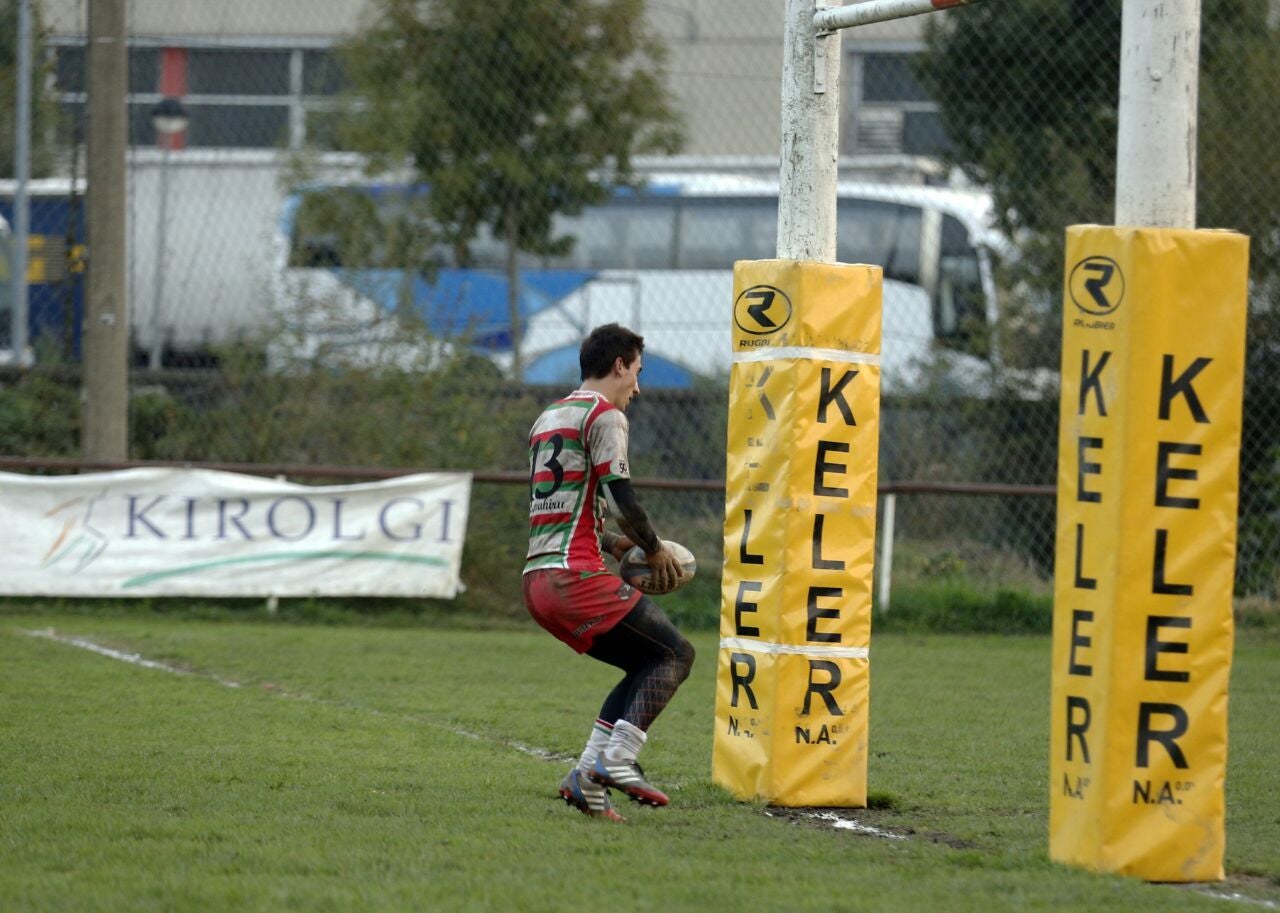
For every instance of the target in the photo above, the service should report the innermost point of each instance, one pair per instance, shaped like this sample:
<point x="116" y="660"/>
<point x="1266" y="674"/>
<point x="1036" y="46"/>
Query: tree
<point x="510" y="111"/>
<point x="1028" y="92"/>
<point x="42" y="110"/>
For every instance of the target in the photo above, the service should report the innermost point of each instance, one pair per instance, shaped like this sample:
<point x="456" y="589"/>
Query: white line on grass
<point x="1234" y="896"/>
<point x="841" y="823"/>
<point x="136" y="659"/>
<point x="133" y="659"/>
<point x="852" y="824"/>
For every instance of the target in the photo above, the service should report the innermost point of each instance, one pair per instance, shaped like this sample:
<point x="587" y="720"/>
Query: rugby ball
<point x="634" y="569"/>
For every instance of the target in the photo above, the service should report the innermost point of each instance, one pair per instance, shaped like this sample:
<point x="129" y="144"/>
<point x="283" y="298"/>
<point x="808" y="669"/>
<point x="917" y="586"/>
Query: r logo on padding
<point x="761" y="310"/>
<point x="1096" y="285"/>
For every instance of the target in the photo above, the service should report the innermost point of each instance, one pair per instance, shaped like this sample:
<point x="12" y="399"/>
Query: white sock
<point x="596" y="743"/>
<point x="626" y="742"/>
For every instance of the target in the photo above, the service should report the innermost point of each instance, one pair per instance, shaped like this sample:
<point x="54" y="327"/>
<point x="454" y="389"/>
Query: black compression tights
<point x="656" y="658"/>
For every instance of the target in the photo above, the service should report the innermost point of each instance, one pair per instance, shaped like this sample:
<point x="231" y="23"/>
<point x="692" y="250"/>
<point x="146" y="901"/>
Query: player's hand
<point x="666" y="569"/>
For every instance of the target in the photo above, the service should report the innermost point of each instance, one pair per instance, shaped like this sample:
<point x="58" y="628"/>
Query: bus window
<point x="651" y="233"/>
<point x="624" y="234"/>
<point x="876" y="232"/>
<point x="960" y="314"/>
<point x="715" y="233"/>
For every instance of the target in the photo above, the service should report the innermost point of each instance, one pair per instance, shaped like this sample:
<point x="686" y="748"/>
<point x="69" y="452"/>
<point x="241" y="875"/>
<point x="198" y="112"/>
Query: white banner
<point x="195" y="532"/>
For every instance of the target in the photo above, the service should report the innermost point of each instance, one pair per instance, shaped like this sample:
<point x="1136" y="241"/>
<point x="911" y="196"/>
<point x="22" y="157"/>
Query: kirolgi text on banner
<point x="194" y="532"/>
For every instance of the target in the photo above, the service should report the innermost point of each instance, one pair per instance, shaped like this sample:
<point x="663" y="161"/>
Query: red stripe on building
<point x="173" y="84"/>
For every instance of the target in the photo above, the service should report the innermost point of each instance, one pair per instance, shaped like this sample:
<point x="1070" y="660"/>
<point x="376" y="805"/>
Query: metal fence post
<point x="886" y="549"/>
<point x="22" y="173"/>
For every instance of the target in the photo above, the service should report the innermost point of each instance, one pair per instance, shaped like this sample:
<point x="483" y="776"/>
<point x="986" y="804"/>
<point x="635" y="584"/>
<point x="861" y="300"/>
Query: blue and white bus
<point x="659" y="260"/>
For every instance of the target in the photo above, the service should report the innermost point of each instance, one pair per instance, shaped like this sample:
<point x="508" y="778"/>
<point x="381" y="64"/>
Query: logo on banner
<point x="761" y="310"/>
<point x="1097" y="285"/>
<point x="77" y="543"/>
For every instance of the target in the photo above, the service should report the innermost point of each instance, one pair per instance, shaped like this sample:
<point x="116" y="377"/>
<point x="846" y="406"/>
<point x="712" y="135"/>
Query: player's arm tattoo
<point x="609" y="541"/>
<point x="631" y="517"/>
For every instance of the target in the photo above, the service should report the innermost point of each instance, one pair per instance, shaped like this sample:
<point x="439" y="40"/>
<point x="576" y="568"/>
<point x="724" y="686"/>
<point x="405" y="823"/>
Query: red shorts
<point x="578" y="606"/>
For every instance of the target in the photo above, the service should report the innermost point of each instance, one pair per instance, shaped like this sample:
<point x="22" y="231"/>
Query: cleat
<point x="590" y="798"/>
<point x="627" y="777"/>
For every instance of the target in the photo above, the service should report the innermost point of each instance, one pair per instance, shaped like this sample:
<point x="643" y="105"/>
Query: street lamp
<point x="168" y="120"/>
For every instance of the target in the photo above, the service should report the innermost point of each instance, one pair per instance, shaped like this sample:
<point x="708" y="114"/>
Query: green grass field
<point x="307" y="767"/>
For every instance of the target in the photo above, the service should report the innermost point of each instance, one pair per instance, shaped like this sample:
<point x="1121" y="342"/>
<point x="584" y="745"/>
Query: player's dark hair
<point x="603" y="345"/>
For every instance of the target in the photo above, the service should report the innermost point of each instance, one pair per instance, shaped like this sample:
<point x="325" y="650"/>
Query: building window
<point x="237" y="97"/>
<point x="322" y="73"/>
<point x="70" y="65"/>
<point x="889" y="111"/>
<point x="231" y="71"/>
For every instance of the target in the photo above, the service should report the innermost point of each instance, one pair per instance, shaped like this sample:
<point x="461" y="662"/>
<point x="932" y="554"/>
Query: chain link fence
<point x="298" y="294"/>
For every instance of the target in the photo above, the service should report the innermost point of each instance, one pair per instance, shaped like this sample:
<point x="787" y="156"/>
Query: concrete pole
<point x="21" y="200"/>
<point x="1159" y="88"/>
<point x="105" y="392"/>
<point x="810" y="138"/>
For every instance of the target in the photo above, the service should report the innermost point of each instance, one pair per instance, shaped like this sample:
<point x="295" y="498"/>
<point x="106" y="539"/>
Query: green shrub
<point x="953" y="606"/>
<point x="39" y="416"/>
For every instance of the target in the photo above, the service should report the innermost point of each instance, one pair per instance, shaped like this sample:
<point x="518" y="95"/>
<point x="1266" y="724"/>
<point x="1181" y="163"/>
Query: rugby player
<point x="578" y="475"/>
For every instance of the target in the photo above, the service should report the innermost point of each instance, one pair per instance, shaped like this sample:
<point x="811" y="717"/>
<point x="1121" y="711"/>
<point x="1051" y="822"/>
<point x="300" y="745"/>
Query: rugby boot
<point x="590" y="798"/>
<point x="627" y="777"/>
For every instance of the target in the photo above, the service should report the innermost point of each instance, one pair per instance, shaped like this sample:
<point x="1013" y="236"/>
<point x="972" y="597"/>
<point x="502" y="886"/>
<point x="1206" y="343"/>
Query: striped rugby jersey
<point x="576" y="444"/>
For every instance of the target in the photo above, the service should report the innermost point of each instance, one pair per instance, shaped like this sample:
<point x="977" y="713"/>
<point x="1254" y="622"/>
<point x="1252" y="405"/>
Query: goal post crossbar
<point x="855" y="14"/>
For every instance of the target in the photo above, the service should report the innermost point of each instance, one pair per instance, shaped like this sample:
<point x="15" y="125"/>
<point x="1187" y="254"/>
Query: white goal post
<point x="843" y="17"/>
<point x="811" y="117"/>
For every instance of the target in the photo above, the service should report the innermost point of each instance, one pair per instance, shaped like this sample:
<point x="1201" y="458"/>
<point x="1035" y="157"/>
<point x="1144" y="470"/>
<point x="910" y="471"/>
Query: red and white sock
<point x="626" y="742"/>
<point x="601" y="732"/>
